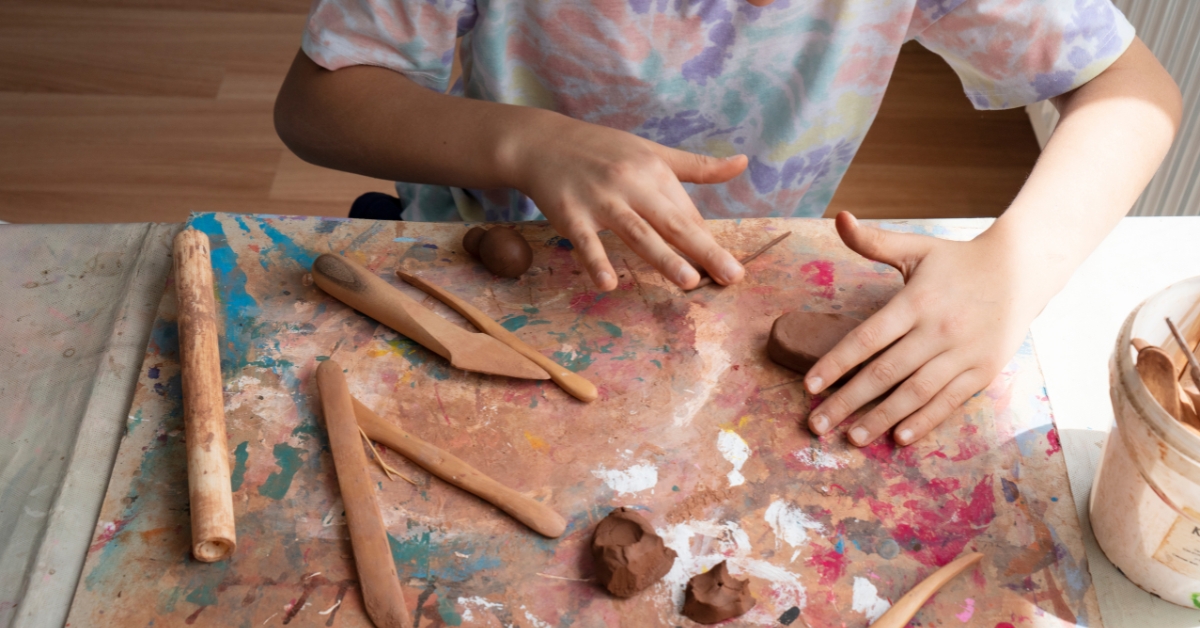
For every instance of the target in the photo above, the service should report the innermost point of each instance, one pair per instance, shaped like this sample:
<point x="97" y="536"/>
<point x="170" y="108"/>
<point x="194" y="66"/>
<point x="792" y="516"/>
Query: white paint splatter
<point x="736" y="451"/>
<point x="789" y="523"/>
<point x="534" y="621"/>
<point x="968" y="610"/>
<point x="818" y="459"/>
<point x="483" y="603"/>
<point x="714" y="360"/>
<point x="724" y="541"/>
<point x="637" y="478"/>
<point x="866" y="600"/>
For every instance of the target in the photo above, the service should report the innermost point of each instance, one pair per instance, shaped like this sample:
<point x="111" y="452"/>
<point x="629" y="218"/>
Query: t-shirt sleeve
<point x="1010" y="53"/>
<point x="413" y="37"/>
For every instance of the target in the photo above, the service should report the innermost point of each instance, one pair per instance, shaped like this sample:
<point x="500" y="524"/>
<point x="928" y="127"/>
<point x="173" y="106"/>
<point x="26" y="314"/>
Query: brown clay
<point x="504" y="252"/>
<point x="799" y="339"/>
<point x="715" y="596"/>
<point x="471" y="240"/>
<point x="629" y="556"/>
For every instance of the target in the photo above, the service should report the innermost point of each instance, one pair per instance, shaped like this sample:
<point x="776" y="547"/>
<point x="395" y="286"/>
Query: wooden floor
<point x="145" y="110"/>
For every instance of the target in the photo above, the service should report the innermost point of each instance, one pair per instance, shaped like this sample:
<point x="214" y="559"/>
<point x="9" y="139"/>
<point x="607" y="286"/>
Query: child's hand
<point x="959" y="318"/>
<point x="586" y="178"/>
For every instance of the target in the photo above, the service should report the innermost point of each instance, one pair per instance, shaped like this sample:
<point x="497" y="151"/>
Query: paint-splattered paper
<point x="694" y="426"/>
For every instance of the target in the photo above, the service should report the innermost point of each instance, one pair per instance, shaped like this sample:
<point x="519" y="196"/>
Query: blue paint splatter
<point x="240" y="456"/>
<point x="418" y="556"/>
<point x="612" y="330"/>
<point x="404" y="239"/>
<point x="301" y="255"/>
<point x="152" y="373"/>
<point x="515" y="323"/>
<point x="288" y="458"/>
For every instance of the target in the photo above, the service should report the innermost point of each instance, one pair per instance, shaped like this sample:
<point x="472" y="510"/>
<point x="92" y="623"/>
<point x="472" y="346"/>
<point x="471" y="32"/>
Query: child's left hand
<point x="959" y="318"/>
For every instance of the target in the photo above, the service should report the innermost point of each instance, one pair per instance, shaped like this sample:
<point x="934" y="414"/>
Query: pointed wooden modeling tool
<point x="210" y="497"/>
<point x="1193" y="363"/>
<point x="362" y="290"/>
<point x="381" y="593"/>
<point x="707" y="279"/>
<point x="538" y="516"/>
<point x="581" y="388"/>
<point x="903" y="610"/>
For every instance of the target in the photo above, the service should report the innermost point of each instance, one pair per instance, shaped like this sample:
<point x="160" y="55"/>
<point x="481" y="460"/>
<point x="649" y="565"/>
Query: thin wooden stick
<point x="1191" y="357"/>
<point x="214" y="535"/>
<point x="903" y="610"/>
<point x="377" y="577"/>
<point x="388" y="470"/>
<point x="538" y="516"/>
<point x="707" y="279"/>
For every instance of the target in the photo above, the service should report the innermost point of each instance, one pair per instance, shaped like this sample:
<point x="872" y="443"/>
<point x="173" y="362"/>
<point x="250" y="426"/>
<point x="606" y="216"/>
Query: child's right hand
<point x="586" y="178"/>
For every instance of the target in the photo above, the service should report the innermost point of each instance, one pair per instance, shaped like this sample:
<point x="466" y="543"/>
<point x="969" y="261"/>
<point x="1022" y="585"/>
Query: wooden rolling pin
<point x="209" y="491"/>
<point x="538" y="516"/>
<point x="903" y="610"/>
<point x="574" y="384"/>
<point x="368" y="537"/>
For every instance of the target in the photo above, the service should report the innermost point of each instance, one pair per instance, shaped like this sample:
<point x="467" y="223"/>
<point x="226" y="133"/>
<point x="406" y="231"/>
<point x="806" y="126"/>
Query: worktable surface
<point x="707" y="502"/>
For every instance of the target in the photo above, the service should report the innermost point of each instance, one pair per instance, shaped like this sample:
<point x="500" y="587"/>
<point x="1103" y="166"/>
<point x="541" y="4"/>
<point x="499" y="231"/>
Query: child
<point x="616" y="114"/>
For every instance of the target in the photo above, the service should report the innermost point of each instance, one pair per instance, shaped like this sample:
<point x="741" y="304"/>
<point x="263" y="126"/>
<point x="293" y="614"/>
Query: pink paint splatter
<point x="820" y="273"/>
<point x="1055" y="444"/>
<point x="935" y="525"/>
<point x="830" y="564"/>
<point x="111" y="529"/>
<point x="968" y="610"/>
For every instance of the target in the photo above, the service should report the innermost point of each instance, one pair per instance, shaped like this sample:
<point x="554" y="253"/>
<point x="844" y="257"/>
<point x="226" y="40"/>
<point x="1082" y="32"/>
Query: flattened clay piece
<point x="504" y="252"/>
<point x="471" y="240"/>
<point x="715" y="596"/>
<point x="799" y="339"/>
<point x="629" y="555"/>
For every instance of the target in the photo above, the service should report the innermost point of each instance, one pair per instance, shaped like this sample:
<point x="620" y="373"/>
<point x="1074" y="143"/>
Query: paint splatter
<point x="288" y="458"/>
<point x="829" y="563"/>
<point x="820" y="273"/>
<point x="637" y="478"/>
<point x="968" y="610"/>
<point x="240" y="456"/>
<point x="736" y="451"/>
<point x="1055" y="444"/>
<point x="789" y="523"/>
<point x="866" y="600"/>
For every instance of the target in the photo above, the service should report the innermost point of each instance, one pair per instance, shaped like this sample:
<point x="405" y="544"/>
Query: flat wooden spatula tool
<point x="368" y="293"/>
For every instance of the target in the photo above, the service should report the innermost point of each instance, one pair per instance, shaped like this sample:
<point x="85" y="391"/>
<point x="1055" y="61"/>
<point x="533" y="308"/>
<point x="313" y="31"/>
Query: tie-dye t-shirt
<point x="793" y="85"/>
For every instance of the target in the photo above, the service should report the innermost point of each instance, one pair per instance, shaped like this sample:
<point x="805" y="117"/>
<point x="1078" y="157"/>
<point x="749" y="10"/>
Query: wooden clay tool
<point x="1158" y="374"/>
<point x="1187" y="352"/>
<point x="581" y="388"/>
<point x="538" y="516"/>
<point x="368" y="536"/>
<point x="209" y="493"/>
<point x="903" y="610"/>
<point x="706" y="279"/>
<point x="364" y="291"/>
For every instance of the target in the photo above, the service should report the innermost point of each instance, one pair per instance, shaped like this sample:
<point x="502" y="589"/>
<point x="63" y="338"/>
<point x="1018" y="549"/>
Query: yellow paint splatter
<point x="536" y="442"/>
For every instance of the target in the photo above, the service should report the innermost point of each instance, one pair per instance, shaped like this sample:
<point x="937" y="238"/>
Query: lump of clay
<point x="799" y="339"/>
<point x="715" y="596"/>
<point x="629" y="555"/>
<point x="471" y="240"/>
<point x="504" y="252"/>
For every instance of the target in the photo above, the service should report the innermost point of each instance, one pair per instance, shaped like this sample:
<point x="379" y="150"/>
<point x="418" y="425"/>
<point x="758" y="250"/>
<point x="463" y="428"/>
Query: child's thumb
<point x="902" y="251"/>
<point x="695" y="168"/>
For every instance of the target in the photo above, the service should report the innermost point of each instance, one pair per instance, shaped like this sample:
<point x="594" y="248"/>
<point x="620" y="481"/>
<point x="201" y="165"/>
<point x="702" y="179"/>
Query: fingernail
<point x="905" y="436"/>
<point x="732" y="270"/>
<point x="859" y="435"/>
<point x="602" y="278"/>
<point x="686" y="275"/>
<point x="820" y="424"/>
<point x="814" y="384"/>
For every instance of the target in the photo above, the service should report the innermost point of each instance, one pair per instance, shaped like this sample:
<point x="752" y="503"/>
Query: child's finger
<point x="584" y="238"/>
<point x="901" y="251"/>
<point x="649" y="245"/>
<point x="912" y="395"/>
<point x="869" y="338"/>
<point x="876" y="378"/>
<point x="945" y="403"/>
<point x="676" y="219"/>
<point x="695" y="168"/>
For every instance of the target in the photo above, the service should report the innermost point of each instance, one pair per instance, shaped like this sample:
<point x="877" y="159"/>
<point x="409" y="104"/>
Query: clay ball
<point x="471" y="240"/>
<point x="504" y="252"/>
<point x="715" y="596"/>
<point x="629" y="556"/>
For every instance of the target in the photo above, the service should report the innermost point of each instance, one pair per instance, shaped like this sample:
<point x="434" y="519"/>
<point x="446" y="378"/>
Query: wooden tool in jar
<point x="210" y="496"/>
<point x="574" y="384"/>
<point x="362" y="290"/>
<point x="377" y="577"/>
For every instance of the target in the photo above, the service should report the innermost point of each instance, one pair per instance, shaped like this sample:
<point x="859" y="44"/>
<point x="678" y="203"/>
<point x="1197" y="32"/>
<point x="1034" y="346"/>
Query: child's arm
<point x="966" y="306"/>
<point x="585" y="178"/>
